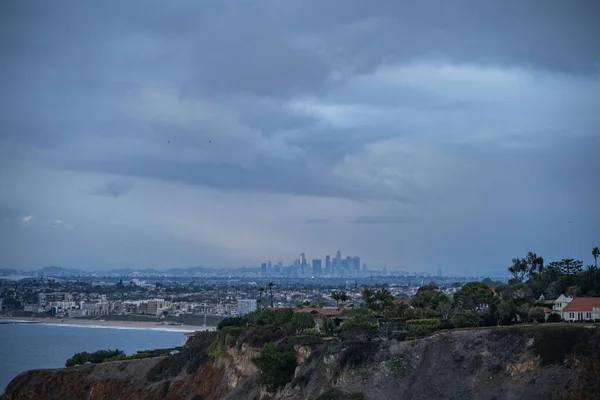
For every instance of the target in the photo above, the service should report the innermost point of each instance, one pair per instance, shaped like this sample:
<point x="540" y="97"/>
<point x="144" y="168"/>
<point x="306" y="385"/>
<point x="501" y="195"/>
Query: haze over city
<point x="162" y="135"/>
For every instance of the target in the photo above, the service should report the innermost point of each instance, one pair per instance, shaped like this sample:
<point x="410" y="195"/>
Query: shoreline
<point x="107" y="324"/>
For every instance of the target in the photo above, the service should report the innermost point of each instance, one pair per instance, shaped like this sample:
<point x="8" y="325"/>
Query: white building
<point x="582" y="309"/>
<point x="246" y="306"/>
<point x="560" y="303"/>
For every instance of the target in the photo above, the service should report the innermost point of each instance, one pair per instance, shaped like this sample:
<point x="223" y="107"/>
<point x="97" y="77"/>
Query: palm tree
<point x="260" y="293"/>
<point x="337" y="297"/>
<point x="344" y="297"/>
<point x="596" y="254"/>
<point x="270" y="285"/>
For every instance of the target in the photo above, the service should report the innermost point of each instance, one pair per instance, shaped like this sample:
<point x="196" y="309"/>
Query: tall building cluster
<point x="337" y="266"/>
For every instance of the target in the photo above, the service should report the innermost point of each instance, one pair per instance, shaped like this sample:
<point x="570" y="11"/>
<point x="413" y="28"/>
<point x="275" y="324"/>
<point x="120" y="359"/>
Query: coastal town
<point x="536" y="292"/>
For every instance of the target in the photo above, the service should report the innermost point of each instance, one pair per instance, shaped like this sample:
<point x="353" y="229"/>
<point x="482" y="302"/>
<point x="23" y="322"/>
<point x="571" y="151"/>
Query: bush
<point x="270" y="317"/>
<point x="95" y="357"/>
<point x="402" y="364"/>
<point x="356" y="353"/>
<point x="276" y="367"/>
<point x="553" y="344"/>
<point x="461" y="320"/>
<point x="301" y="322"/>
<point x="554" y="318"/>
<point x="418" y="328"/>
<point x="232" y="322"/>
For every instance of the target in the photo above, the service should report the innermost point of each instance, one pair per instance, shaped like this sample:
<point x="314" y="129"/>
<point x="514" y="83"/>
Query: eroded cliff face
<point x="453" y="365"/>
<point x="128" y="380"/>
<point x="487" y="364"/>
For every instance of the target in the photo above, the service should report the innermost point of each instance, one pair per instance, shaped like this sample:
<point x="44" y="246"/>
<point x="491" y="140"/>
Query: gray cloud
<point x="469" y="116"/>
<point x="113" y="189"/>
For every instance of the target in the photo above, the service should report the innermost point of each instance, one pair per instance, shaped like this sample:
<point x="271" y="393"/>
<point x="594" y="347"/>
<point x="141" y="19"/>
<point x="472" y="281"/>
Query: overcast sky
<point x="418" y="135"/>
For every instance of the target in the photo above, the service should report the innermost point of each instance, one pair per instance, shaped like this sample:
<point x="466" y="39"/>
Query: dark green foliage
<point x="429" y="300"/>
<point x="356" y="353"/>
<point x="272" y="317"/>
<point x="337" y="394"/>
<point x="301" y="322"/>
<point x="552" y="345"/>
<point x="402" y="364"/>
<point x="258" y="336"/>
<point x="232" y="322"/>
<point x="551" y="342"/>
<point x="461" y="320"/>
<point x="276" y="366"/>
<point x="554" y="318"/>
<point x="419" y="328"/>
<point x="95" y="357"/>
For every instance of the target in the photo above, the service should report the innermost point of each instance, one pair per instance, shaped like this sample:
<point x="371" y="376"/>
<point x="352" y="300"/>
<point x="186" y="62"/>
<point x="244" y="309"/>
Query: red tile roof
<point x="583" y="304"/>
<point x="322" y="311"/>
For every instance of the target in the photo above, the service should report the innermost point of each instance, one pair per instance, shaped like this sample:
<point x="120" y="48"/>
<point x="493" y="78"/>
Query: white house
<point x="582" y="309"/>
<point x="560" y="303"/>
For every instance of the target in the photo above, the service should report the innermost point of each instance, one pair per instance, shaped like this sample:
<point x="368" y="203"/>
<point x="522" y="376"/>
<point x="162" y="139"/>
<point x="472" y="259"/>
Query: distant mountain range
<point x="61" y="272"/>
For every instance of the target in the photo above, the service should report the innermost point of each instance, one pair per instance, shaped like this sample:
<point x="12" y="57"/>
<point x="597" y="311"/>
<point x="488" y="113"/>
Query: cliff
<point x="546" y="362"/>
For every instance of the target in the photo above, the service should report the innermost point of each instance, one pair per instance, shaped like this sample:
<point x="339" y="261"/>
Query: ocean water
<point x="25" y="346"/>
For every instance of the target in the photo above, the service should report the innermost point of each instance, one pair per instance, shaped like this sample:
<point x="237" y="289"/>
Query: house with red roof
<point x="582" y="309"/>
<point x="320" y="314"/>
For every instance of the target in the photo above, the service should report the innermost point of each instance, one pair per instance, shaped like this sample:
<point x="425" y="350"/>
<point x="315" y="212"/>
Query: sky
<point x="418" y="135"/>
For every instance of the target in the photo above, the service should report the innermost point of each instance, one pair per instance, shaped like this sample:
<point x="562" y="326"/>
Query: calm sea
<point x="25" y="346"/>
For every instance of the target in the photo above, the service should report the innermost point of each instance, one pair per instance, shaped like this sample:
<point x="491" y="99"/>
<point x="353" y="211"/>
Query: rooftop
<point x="583" y="304"/>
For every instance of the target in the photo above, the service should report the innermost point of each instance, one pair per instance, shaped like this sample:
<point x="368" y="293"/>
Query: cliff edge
<point x="545" y="362"/>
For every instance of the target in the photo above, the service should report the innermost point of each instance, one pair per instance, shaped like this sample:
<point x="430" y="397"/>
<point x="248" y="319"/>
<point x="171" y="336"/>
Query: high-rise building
<point x="316" y="267"/>
<point x="356" y="265"/>
<point x="439" y="273"/>
<point x="269" y="269"/>
<point x="328" y="265"/>
<point x="302" y="264"/>
<point x="365" y="267"/>
<point x="263" y="269"/>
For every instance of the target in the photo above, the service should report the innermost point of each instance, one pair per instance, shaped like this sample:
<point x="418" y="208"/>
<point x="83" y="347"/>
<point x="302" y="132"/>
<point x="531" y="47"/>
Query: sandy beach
<point x="109" y="324"/>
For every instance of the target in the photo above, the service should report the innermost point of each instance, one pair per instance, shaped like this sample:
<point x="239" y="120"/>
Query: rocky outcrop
<point x="486" y="364"/>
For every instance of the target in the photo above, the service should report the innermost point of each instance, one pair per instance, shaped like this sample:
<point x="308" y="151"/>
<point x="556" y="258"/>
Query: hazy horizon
<point x="426" y="136"/>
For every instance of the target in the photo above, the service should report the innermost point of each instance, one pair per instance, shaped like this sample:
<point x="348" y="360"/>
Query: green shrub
<point x="276" y="366"/>
<point x="232" y="322"/>
<point x="418" y="328"/>
<point x="356" y="353"/>
<point x="95" y="357"/>
<point x="402" y="364"/>
<point x="554" y="318"/>
<point x="554" y="343"/>
<point x="301" y="322"/>
<point x="461" y="320"/>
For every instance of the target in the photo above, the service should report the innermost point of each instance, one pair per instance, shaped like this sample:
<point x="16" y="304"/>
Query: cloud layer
<point x="416" y="136"/>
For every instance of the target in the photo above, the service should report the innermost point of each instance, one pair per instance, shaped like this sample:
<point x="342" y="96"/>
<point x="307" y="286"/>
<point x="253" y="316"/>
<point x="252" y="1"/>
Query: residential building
<point x="45" y="298"/>
<point x="582" y="309"/>
<point x="560" y="303"/>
